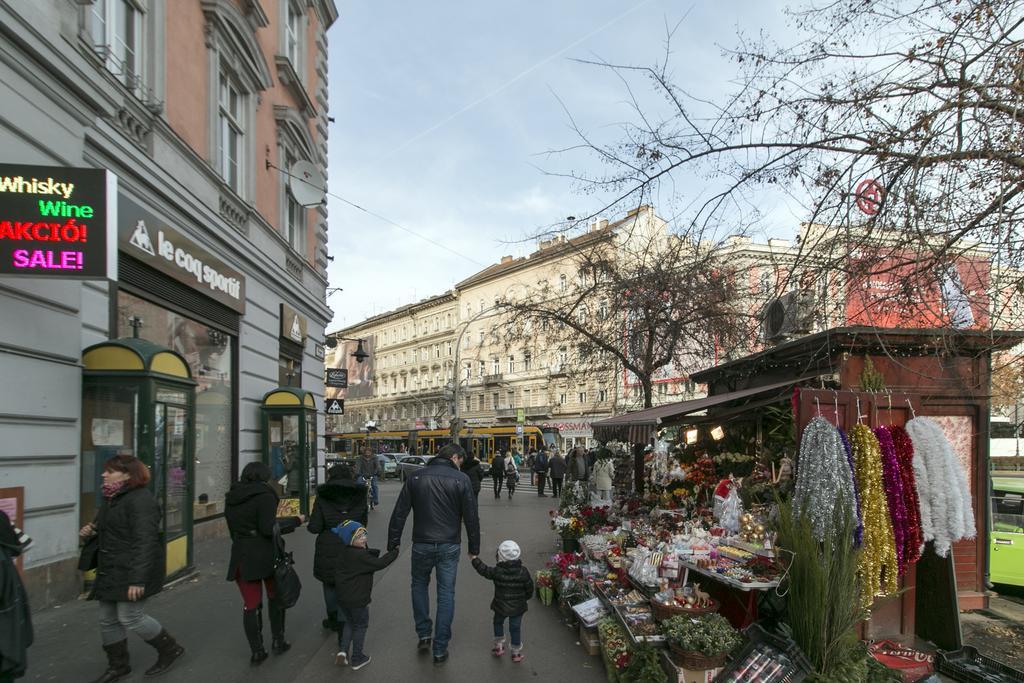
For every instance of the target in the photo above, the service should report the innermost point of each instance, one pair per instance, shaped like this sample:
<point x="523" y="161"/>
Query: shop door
<point x="172" y="474"/>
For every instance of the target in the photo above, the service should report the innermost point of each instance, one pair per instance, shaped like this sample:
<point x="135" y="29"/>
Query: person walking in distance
<point x="578" y="470"/>
<point x="130" y="567"/>
<point x="251" y="513"/>
<point x="367" y="472"/>
<point x="440" y="498"/>
<point x="540" y="471"/>
<point x="530" y="458"/>
<point x="513" y="587"/>
<point x="511" y="474"/>
<point x="556" y="469"/>
<point x="338" y="499"/>
<point x="475" y="473"/>
<point x="355" y="583"/>
<point x="498" y="473"/>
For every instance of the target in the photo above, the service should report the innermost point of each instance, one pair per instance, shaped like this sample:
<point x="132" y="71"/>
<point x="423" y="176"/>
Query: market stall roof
<point x="639" y="425"/>
<point x="818" y="350"/>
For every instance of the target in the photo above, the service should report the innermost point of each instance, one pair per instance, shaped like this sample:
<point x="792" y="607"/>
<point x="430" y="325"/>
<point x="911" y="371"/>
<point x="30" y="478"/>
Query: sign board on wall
<point x="149" y="239"/>
<point x="337" y="378"/>
<point x="58" y="222"/>
<point x="293" y="324"/>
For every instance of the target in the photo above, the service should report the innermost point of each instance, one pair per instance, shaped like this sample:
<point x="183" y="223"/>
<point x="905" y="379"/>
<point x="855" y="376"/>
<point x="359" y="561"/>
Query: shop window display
<point x="209" y="354"/>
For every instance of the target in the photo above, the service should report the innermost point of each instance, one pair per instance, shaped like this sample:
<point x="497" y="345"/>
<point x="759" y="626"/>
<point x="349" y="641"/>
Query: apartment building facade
<point x="191" y="108"/>
<point x="425" y="349"/>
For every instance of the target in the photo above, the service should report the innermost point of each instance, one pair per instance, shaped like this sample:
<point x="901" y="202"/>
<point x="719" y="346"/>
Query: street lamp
<point x="359" y="354"/>
<point x="456" y="382"/>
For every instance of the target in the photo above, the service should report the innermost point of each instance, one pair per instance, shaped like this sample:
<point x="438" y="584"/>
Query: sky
<point x="445" y="116"/>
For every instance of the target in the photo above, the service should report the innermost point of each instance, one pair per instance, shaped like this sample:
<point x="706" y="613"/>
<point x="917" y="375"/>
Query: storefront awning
<point x="640" y="425"/>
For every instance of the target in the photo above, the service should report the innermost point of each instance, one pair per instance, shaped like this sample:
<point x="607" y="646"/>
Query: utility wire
<point x="376" y="215"/>
<point x="514" y="79"/>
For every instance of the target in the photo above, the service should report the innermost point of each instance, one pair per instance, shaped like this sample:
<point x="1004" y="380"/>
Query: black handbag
<point x="89" y="558"/>
<point x="287" y="586"/>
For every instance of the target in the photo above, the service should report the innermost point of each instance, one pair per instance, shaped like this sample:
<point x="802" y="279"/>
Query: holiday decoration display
<point x="913" y="541"/>
<point x="877" y="567"/>
<point x="824" y="482"/>
<point x="858" y="532"/>
<point x="892" y="482"/>
<point x="947" y="514"/>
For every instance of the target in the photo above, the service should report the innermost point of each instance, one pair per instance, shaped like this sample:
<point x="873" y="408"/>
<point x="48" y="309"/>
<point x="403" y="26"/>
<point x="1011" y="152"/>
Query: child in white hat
<point x="513" y="586"/>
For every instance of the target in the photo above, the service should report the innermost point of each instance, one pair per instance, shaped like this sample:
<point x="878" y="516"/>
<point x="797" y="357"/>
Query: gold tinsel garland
<point x="877" y="566"/>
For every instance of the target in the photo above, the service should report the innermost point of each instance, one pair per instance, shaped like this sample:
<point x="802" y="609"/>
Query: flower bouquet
<point x="546" y="586"/>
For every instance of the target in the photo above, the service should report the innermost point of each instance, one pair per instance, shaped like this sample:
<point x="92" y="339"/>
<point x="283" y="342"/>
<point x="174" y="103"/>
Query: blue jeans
<point x="515" y="629"/>
<point x="373" y="488"/>
<point x="425" y="557"/>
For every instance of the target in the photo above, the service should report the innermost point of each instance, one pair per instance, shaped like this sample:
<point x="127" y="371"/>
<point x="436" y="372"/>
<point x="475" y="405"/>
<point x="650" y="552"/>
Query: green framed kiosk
<point x="289" y="447"/>
<point x="138" y="398"/>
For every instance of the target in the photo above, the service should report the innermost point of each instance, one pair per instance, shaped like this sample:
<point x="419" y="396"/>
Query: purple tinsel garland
<point x="858" y="533"/>
<point x="892" y="481"/>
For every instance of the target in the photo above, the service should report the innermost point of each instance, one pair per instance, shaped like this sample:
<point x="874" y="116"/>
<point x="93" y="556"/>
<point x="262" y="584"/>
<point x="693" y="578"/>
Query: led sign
<point x="58" y="222"/>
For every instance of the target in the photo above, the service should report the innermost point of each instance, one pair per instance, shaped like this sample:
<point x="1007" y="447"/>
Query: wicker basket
<point x="663" y="612"/>
<point x="695" y="661"/>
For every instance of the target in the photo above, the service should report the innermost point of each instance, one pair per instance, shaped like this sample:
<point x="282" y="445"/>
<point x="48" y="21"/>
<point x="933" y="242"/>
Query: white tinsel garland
<point x="824" y="482"/>
<point x="947" y="514"/>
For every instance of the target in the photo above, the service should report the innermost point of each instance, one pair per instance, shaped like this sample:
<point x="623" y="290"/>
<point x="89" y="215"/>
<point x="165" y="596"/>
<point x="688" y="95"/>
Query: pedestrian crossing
<point x="523" y="486"/>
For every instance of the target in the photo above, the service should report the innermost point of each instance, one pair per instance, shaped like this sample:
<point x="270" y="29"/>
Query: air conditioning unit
<point x="788" y="317"/>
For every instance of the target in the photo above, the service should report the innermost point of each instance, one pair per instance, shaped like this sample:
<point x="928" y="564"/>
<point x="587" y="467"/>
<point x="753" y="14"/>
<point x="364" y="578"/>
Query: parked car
<point x="410" y="463"/>
<point x="485" y="468"/>
<point x="388" y="464"/>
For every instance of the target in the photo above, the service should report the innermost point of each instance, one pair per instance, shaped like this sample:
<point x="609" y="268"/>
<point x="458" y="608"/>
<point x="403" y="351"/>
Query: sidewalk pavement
<point x="204" y="614"/>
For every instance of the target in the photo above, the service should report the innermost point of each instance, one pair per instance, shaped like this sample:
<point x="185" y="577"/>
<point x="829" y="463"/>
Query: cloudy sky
<point x="444" y="114"/>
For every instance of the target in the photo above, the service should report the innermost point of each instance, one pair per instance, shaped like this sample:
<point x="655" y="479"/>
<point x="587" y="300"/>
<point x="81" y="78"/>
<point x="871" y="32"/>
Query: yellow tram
<point x="482" y="442"/>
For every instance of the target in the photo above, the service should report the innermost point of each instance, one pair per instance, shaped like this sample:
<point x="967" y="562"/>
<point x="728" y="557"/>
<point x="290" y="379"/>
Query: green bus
<point x="1006" y="542"/>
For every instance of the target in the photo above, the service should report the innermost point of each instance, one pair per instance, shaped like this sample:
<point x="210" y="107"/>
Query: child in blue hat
<point x="353" y="582"/>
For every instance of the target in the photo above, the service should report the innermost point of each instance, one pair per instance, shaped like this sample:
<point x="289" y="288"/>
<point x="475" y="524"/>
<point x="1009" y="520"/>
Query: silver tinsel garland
<point x="824" y="482"/>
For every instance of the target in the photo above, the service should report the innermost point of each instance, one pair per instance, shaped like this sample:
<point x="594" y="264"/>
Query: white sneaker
<point x="341" y="659"/>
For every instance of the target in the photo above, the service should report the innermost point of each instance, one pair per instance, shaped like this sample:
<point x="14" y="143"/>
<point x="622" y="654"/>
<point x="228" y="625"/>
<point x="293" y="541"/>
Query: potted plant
<point x="702" y="642"/>
<point x="570" y="528"/>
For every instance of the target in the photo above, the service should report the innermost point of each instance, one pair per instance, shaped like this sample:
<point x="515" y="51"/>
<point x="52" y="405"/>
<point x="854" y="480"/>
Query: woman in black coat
<point x="15" y="617"/>
<point x="338" y="499"/>
<point x="251" y="514"/>
<point x="130" y="567"/>
<point x="471" y="467"/>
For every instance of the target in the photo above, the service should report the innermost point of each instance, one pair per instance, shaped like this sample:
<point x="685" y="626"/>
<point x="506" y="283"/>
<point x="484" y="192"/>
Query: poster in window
<point x="107" y="432"/>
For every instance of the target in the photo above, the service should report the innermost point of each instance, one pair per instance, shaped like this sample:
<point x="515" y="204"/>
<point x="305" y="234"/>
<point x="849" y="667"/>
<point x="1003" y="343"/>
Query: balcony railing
<point x="492" y="379"/>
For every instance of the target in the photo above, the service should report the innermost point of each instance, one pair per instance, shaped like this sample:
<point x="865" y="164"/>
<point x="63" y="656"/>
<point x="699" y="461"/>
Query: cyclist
<point x="367" y="472"/>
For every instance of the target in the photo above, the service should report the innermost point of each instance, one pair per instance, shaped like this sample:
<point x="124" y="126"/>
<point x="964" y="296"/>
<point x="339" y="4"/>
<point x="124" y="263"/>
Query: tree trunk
<point x="648" y="387"/>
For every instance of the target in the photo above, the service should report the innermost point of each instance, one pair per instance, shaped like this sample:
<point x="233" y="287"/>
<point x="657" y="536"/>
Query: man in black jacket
<point x="441" y="498"/>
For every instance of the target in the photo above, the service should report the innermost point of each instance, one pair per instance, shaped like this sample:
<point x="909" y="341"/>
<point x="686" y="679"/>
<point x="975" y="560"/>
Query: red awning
<point x="640" y="425"/>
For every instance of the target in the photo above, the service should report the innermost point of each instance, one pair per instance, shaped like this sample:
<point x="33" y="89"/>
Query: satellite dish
<point x="306" y="183"/>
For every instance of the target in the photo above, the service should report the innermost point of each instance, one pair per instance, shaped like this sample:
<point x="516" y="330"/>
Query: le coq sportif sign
<point x="151" y="240"/>
<point x="58" y="222"/>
